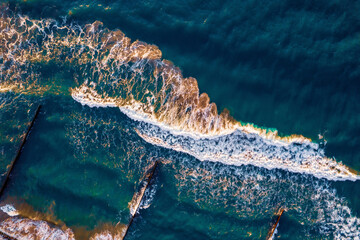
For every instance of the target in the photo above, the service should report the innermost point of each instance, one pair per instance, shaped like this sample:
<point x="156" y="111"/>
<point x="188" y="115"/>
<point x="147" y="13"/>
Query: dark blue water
<point x="286" y="65"/>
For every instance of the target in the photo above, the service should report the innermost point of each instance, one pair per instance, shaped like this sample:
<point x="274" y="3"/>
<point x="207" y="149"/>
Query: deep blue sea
<point x="247" y="107"/>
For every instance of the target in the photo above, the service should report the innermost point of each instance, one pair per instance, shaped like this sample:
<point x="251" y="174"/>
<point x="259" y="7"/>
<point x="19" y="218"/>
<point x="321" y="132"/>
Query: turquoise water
<point x="291" y="66"/>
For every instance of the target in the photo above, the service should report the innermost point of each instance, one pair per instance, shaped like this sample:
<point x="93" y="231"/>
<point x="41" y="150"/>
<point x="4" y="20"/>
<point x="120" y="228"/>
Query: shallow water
<point x="112" y="106"/>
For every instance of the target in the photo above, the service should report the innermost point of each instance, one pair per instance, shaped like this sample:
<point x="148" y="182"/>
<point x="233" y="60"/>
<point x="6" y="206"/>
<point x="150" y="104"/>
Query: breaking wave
<point x="241" y="148"/>
<point x="247" y="193"/>
<point x="108" y="69"/>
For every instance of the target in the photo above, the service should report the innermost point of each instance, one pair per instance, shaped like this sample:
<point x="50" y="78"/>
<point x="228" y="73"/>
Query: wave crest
<point x="111" y="70"/>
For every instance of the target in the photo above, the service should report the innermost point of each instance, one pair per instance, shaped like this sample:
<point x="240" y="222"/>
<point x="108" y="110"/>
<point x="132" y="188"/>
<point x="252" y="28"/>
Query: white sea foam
<point x="237" y="147"/>
<point x="252" y="193"/>
<point x="117" y="234"/>
<point x="116" y="72"/>
<point x="246" y="192"/>
<point x="148" y="197"/>
<point x="272" y="237"/>
<point x="240" y="148"/>
<point x="24" y="228"/>
<point x="171" y="113"/>
<point x="9" y="210"/>
<point x="133" y="109"/>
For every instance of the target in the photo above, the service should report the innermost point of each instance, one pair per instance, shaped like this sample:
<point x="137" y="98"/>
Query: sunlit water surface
<point x="111" y="106"/>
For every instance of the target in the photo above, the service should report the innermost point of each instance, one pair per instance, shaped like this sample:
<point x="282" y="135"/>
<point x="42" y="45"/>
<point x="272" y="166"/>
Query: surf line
<point x="271" y="232"/>
<point x="140" y="195"/>
<point x="19" y="151"/>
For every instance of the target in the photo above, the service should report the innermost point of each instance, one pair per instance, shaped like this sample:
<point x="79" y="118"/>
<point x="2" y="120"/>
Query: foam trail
<point x="143" y="197"/>
<point x="252" y="193"/>
<point x="246" y="193"/>
<point x="112" y="71"/>
<point x="112" y="68"/>
<point x="240" y="148"/>
<point x="148" y="197"/>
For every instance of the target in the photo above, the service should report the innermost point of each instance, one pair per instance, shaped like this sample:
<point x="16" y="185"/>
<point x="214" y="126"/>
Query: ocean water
<point x="248" y="106"/>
